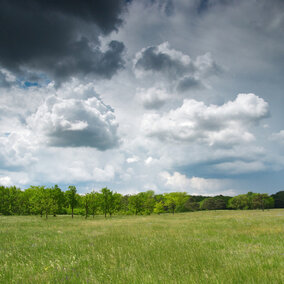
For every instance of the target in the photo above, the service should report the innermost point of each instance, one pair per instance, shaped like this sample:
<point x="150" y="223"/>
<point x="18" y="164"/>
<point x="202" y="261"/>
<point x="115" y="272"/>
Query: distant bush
<point x="251" y="201"/>
<point x="278" y="199"/>
<point x="214" y="203"/>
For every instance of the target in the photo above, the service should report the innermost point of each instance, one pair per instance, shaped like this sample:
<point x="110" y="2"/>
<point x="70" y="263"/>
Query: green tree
<point x="115" y="202"/>
<point x="175" y="201"/>
<point x="109" y="201"/>
<point x="136" y="203"/>
<point x="159" y="207"/>
<point x="42" y="200"/>
<point x="214" y="203"/>
<point x="50" y="203"/>
<point x="58" y="199"/>
<point x="278" y="199"/>
<point x="207" y="204"/>
<point x="149" y="202"/>
<point x="86" y="200"/>
<point x="241" y="201"/>
<point x="25" y="202"/>
<point x="71" y="197"/>
<point x="94" y="202"/>
<point x="251" y="201"/>
<point x="10" y="200"/>
<point x="37" y="199"/>
<point x="105" y="193"/>
<point x="262" y="201"/>
<point x="191" y="204"/>
<point x="159" y="197"/>
<point x="125" y="203"/>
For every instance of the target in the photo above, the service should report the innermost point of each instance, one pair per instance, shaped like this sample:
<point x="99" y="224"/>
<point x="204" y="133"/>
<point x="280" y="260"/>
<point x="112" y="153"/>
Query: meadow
<point x="198" y="247"/>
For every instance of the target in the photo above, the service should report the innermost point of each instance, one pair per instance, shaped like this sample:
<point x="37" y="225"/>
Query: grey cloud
<point x="175" y="67"/>
<point x="169" y="7"/>
<point x="278" y="137"/>
<point x="6" y="78"/>
<point x="90" y="61"/>
<point x="3" y="81"/>
<point x="76" y="123"/>
<point x="188" y="82"/>
<point x="153" y="98"/>
<point x="96" y="138"/>
<point x="165" y="6"/>
<point x="153" y="59"/>
<point x="154" y="104"/>
<point x="105" y="13"/>
<point x="60" y="38"/>
<point x="204" y="6"/>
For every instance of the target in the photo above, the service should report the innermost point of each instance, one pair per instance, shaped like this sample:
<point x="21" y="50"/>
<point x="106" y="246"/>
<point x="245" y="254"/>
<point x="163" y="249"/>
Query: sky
<point x="143" y="95"/>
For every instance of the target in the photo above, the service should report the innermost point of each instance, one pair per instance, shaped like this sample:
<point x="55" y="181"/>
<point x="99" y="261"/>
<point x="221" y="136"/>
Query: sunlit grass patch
<point x="199" y="247"/>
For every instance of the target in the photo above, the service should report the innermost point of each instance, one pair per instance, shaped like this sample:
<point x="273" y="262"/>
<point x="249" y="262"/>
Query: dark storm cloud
<point x="60" y="38"/>
<point x="84" y="60"/>
<point x="3" y="81"/>
<point x="202" y="6"/>
<point x="152" y="59"/>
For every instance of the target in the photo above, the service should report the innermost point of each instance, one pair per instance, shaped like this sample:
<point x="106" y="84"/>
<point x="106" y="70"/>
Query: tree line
<point x="45" y="201"/>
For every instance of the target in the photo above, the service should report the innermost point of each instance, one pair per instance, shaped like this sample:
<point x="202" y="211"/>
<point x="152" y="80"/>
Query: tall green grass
<point x="198" y="247"/>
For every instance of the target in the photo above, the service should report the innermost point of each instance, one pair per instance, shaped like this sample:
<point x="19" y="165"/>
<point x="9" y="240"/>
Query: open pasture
<point x="197" y="247"/>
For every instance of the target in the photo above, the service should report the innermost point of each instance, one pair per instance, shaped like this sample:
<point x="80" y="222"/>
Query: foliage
<point x="94" y="202"/>
<point x="136" y="203"/>
<point x="40" y="200"/>
<point x="175" y="201"/>
<point x="191" y="204"/>
<point x="251" y="201"/>
<point x="110" y="201"/>
<point x="159" y="207"/>
<point x="59" y="199"/>
<point x="85" y="202"/>
<point x="71" y="197"/>
<point x="10" y="200"/>
<point x="214" y="203"/>
<point x="278" y="199"/>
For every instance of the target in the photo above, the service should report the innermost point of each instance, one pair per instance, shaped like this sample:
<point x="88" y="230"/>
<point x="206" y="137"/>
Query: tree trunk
<point x="72" y="212"/>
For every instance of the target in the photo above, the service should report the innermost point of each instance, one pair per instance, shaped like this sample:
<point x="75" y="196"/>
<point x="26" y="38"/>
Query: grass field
<point x="198" y="247"/>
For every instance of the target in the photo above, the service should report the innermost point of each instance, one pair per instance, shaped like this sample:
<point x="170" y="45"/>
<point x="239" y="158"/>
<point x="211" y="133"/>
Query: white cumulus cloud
<point x="194" y="185"/>
<point x="194" y="121"/>
<point x="71" y="122"/>
<point x="153" y="98"/>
